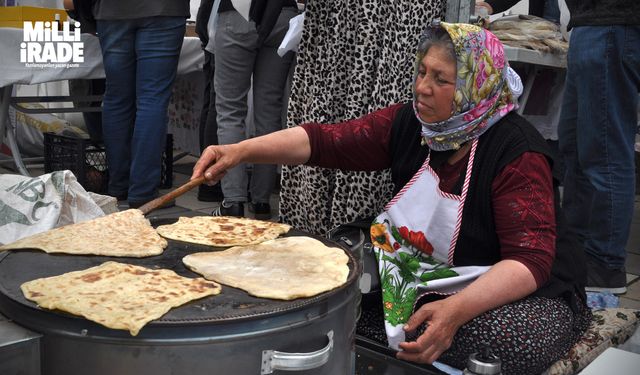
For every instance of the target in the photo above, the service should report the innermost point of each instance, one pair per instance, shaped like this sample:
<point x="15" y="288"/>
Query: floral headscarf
<point x="486" y="87"/>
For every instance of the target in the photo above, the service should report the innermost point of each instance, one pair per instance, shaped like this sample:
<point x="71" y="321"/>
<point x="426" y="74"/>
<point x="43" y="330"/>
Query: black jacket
<point x="202" y="21"/>
<point x="536" y="7"/>
<point x="585" y="12"/>
<point x="83" y="13"/>
<point x="604" y="12"/>
<point x="264" y="13"/>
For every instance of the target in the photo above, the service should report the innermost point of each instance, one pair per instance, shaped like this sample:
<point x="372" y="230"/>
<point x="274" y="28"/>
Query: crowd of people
<point x="477" y="234"/>
<point x="141" y="45"/>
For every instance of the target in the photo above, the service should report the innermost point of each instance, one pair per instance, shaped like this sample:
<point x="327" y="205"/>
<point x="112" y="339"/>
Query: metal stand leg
<point x="17" y="158"/>
<point x="7" y="130"/>
<point x="5" y="99"/>
<point x="528" y="85"/>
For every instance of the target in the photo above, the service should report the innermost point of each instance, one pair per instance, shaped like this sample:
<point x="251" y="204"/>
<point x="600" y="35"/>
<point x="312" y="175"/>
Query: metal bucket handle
<point x="275" y="360"/>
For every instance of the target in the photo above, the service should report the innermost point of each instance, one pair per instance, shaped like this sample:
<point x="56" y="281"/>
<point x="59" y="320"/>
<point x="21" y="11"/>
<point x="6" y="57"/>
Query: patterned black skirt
<point x="528" y="335"/>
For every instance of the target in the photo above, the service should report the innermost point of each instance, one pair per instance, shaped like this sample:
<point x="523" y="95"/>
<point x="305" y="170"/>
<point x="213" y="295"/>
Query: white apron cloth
<point x="415" y="238"/>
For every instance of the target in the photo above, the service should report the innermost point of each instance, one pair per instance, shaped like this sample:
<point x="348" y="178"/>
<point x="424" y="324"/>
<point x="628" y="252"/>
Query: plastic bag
<point x="30" y="205"/>
<point x="294" y="34"/>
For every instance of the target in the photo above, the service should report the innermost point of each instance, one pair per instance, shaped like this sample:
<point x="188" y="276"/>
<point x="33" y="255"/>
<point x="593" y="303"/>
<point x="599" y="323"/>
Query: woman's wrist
<point x="458" y="310"/>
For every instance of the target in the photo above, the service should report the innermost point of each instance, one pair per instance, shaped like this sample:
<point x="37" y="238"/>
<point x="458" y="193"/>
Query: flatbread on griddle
<point x="222" y="230"/>
<point x="117" y="295"/>
<point x="122" y="234"/>
<point x="284" y="268"/>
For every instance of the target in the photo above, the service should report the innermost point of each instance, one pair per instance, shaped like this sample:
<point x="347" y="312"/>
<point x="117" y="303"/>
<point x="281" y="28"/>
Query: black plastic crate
<point x="88" y="161"/>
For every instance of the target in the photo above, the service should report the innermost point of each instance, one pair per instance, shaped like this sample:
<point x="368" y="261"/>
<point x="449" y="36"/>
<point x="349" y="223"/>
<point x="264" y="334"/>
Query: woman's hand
<point x="289" y="146"/>
<point x="216" y="160"/>
<point x="505" y="282"/>
<point x="441" y="319"/>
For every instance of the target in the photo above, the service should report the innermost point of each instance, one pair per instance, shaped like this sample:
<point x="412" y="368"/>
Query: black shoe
<point x="229" y="209"/>
<point x="603" y="279"/>
<point x="262" y="211"/>
<point x="208" y="193"/>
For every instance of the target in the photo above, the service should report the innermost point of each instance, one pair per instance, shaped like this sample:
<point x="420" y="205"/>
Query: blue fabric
<point x="596" y="137"/>
<point x="446" y="368"/>
<point x="602" y="300"/>
<point x="140" y="60"/>
<point x="551" y="11"/>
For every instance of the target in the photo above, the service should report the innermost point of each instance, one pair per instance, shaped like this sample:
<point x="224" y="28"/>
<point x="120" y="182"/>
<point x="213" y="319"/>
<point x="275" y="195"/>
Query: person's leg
<point x="269" y="80"/>
<point x="117" y="40"/>
<point x="208" y="121"/>
<point x="607" y="90"/>
<point x="235" y="53"/>
<point x="208" y="129"/>
<point x="92" y="120"/>
<point x="158" y="43"/>
<point x="551" y="11"/>
<point x="576" y="198"/>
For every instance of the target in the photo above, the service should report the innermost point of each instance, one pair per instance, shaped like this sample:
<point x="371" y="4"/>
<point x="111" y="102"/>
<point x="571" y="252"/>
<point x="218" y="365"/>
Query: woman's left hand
<point x="505" y="282"/>
<point x="442" y="324"/>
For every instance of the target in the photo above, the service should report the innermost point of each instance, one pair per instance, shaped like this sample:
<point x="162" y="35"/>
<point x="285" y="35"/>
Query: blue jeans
<point x="140" y="59"/>
<point x="596" y="137"/>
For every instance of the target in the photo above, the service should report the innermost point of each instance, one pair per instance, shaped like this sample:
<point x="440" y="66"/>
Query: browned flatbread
<point x="222" y="230"/>
<point x="123" y="234"/>
<point x="284" y="268"/>
<point x="117" y="295"/>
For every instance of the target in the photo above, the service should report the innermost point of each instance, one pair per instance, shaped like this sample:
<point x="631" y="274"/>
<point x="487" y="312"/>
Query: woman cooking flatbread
<point x="472" y="246"/>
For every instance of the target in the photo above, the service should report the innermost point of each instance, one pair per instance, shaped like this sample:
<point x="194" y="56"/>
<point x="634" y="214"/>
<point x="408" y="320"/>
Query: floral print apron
<point x="414" y="240"/>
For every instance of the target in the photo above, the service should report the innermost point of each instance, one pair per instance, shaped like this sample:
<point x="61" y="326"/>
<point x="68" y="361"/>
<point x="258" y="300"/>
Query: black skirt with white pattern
<point x="528" y="335"/>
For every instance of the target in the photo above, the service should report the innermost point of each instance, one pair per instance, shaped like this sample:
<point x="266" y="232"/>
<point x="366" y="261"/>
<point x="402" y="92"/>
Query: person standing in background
<point x="597" y="133"/>
<point x="141" y="42"/>
<point x="247" y="36"/>
<point x="82" y="87"/>
<point x="208" y="129"/>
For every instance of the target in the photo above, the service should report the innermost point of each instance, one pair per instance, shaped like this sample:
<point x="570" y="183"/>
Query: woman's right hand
<point x="289" y="146"/>
<point x="216" y="160"/>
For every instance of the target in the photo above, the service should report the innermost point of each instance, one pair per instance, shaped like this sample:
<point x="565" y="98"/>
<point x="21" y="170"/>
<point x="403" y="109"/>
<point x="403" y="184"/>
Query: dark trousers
<point x="208" y="124"/>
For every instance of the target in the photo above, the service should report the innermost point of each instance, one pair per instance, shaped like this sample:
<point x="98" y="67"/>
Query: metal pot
<point x="232" y="333"/>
